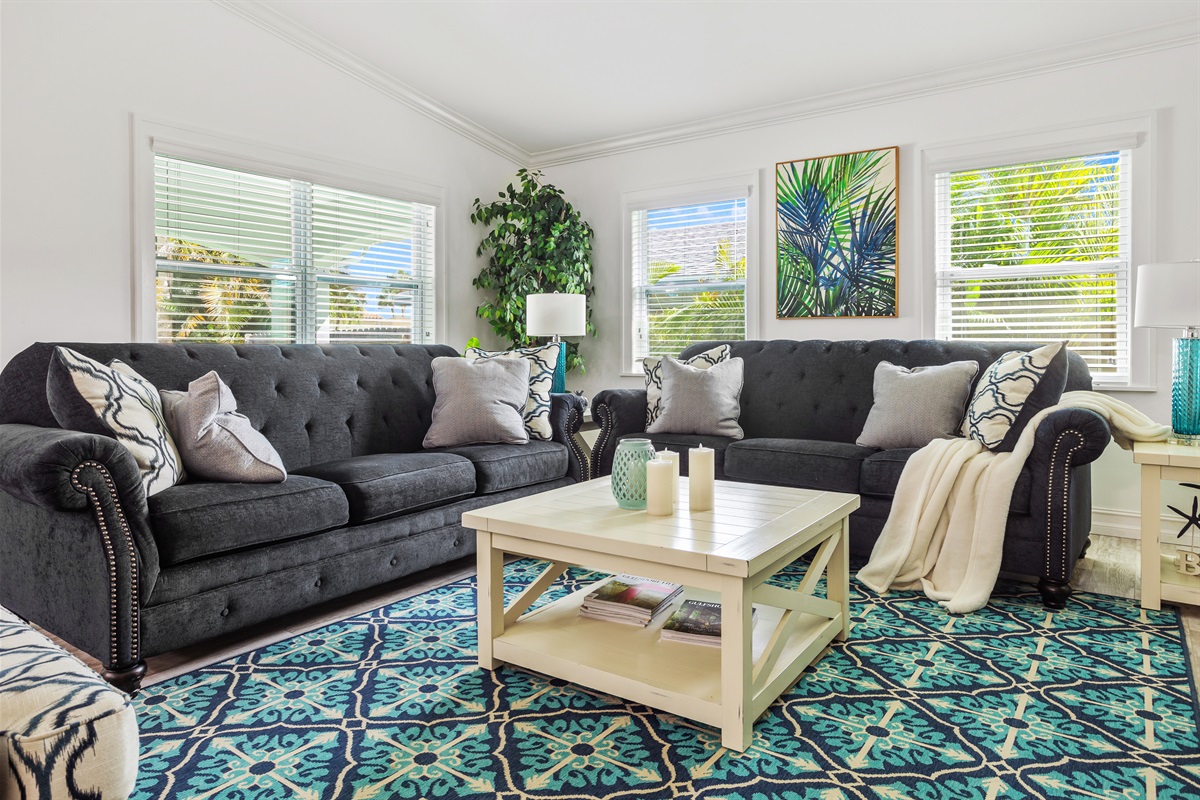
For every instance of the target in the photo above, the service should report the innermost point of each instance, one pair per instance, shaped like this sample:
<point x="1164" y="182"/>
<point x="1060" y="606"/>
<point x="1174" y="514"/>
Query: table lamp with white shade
<point x="556" y="315"/>
<point x="1168" y="296"/>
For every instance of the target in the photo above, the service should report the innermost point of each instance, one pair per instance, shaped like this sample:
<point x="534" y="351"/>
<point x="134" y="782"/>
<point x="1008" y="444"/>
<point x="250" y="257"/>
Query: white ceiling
<point x="551" y="75"/>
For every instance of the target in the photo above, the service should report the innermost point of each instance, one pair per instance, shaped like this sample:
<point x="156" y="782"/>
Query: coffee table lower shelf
<point x="633" y="663"/>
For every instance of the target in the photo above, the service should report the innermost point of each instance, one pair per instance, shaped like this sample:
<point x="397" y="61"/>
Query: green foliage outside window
<point x="716" y="315"/>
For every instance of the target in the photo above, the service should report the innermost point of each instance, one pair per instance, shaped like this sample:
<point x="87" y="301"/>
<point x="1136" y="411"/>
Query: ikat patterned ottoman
<point x="65" y="734"/>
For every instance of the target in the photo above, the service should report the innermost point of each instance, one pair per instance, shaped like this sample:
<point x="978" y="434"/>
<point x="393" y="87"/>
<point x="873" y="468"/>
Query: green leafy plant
<point x="536" y="243"/>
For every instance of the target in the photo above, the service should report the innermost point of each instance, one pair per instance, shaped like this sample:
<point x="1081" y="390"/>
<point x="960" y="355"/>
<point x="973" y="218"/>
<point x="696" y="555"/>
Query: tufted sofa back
<point x="818" y="389"/>
<point x="314" y="403"/>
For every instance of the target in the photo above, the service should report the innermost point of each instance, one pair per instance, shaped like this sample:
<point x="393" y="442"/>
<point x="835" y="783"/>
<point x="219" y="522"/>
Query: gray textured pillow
<point x="216" y="442"/>
<point x="479" y="401"/>
<point x="915" y="406"/>
<point x="701" y="401"/>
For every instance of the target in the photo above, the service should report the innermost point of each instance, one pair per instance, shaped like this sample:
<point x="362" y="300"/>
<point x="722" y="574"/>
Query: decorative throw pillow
<point x="652" y="366"/>
<point x="478" y="401"/>
<point x="116" y="401"/>
<point x="704" y="401"/>
<point x="542" y="361"/>
<point x="915" y="406"/>
<point x="1011" y="391"/>
<point x="215" y="442"/>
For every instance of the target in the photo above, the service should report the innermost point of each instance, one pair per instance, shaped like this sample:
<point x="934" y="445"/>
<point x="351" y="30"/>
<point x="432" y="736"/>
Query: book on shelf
<point x="630" y="600"/>
<point x="697" y="622"/>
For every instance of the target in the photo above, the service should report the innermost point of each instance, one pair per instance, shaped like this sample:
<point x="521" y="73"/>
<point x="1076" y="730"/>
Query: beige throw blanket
<point x="945" y="532"/>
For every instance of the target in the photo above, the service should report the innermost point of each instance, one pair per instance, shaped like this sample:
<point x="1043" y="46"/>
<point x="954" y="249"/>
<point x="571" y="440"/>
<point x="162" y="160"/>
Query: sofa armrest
<point x="70" y="472"/>
<point x="618" y="412"/>
<point x="1066" y="442"/>
<point x="566" y="418"/>
<point x="42" y="466"/>
<point x="1073" y="436"/>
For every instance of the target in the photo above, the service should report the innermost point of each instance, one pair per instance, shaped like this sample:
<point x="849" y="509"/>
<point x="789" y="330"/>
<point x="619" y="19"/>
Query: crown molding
<point x="1091" y="51"/>
<point x="316" y="45"/>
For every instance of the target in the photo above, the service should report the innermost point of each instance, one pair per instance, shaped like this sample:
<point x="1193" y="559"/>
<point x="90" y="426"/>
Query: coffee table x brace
<point x="724" y="555"/>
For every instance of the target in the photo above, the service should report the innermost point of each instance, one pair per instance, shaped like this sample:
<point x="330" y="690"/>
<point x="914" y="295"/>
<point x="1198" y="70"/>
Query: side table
<point x="1161" y="579"/>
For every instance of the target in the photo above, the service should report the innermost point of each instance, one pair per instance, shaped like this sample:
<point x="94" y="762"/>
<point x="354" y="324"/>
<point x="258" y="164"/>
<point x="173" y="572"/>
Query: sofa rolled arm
<point x="1066" y="442"/>
<point x="1075" y="434"/>
<point x="39" y="465"/>
<point x="69" y="471"/>
<point x="618" y="412"/>
<point x="566" y="418"/>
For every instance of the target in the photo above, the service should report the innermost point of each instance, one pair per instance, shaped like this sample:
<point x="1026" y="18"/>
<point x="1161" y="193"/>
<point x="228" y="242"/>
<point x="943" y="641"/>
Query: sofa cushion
<point x="194" y="520"/>
<point x="500" y="467"/>
<point x="394" y="483"/>
<point x="806" y="463"/>
<point x="881" y="474"/>
<point x="682" y="442"/>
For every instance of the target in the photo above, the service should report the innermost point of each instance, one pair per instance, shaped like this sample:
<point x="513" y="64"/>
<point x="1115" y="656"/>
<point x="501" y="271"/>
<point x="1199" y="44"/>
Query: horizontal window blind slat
<point x="689" y="266"/>
<point x="324" y="264"/>
<point x="1038" y="251"/>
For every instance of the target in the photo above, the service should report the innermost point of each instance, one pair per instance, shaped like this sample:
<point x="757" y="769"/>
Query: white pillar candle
<point x="700" y="478"/>
<point x="673" y="457"/>
<point x="658" y="488"/>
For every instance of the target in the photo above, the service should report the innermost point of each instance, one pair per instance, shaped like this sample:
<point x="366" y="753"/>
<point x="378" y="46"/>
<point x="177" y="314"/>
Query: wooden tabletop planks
<point x="750" y="524"/>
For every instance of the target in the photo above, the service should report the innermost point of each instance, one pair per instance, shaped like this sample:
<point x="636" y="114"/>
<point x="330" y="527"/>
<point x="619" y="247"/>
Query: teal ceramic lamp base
<point x="559" y="384"/>
<point x="1185" y="389"/>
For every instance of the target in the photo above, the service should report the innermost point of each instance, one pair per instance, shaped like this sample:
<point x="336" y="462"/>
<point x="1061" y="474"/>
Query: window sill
<point x="1124" y="387"/>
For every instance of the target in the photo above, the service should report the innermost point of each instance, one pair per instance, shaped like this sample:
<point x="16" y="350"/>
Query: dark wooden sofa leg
<point x="1087" y="543"/>
<point x="1054" y="593"/>
<point x="129" y="679"/>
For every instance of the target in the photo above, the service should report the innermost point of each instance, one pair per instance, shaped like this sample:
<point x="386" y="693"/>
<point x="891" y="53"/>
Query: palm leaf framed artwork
<point x="836" y="225"/>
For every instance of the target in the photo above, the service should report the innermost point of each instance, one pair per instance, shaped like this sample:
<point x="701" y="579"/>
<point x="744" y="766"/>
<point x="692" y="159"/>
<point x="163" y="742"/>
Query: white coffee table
<point x="723" y="555"/>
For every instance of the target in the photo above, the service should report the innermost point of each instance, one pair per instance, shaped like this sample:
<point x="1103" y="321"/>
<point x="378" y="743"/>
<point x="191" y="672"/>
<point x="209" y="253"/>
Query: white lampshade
<point x="1168" y="295"/>
<point x="555" y="314"/>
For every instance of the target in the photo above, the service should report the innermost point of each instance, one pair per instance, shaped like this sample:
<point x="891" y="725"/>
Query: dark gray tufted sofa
<point x="88" y="557"/>
<point x="804" y="403"/>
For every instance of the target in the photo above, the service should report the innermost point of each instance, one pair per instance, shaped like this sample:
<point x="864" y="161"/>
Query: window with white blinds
<point x="689" y="276"/>
<point x="1039" y="252"/>
<point x="243" y="257"/>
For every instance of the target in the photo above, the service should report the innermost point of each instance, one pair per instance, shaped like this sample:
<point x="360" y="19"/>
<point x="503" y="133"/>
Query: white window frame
<point x="709" y="190"/>
<point x="152" y="137"/>
<point x="1136" y="133"/>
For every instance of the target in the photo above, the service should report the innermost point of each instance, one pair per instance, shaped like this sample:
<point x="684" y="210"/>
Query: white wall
<point x="1167" y="81"/>
<point x="72" y="76"/>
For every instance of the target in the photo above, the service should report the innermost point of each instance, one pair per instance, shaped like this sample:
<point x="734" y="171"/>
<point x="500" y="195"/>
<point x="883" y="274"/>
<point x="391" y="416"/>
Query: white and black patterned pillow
<point x="115" y="401"/>
<point x="995" y="415"/>
<point x="652" y="366"/>
<point x="542" y="362"/>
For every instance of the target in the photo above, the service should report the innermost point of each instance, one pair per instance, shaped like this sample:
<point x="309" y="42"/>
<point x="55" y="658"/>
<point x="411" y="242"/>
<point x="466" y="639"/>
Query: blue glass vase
<point x="1185" y="390"/>
<point x="629" y="473"/>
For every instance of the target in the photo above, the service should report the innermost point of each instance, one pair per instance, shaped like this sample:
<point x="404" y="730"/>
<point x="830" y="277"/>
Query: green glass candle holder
<point x="629" y="473"/>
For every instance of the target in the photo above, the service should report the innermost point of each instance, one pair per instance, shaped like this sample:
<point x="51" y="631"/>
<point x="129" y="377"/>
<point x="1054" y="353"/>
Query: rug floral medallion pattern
<point x="1010" y="702"/>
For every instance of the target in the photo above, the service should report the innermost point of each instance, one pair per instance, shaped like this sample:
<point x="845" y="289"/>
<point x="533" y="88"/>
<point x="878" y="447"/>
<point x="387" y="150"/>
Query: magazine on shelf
<point x="697" y="622"/>
<point x="630" y="600"/>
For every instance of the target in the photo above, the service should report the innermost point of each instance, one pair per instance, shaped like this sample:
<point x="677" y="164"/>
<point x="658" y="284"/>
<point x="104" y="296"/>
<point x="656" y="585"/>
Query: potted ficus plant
<point x="536" y="243"/>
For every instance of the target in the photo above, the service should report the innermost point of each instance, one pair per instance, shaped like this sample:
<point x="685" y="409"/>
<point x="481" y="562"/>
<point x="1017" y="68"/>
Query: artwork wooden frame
<point x="837" y="227"/>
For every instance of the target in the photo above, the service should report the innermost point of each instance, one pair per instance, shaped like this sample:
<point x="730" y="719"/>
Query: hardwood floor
<point x="1110" y="567"/>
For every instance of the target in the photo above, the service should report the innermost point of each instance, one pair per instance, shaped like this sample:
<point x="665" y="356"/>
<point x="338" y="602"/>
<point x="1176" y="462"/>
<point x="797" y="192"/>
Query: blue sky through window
<point x="699" y="214"/>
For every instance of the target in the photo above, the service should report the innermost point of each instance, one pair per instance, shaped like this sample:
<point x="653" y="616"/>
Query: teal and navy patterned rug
<point x="1010" y="702"/>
